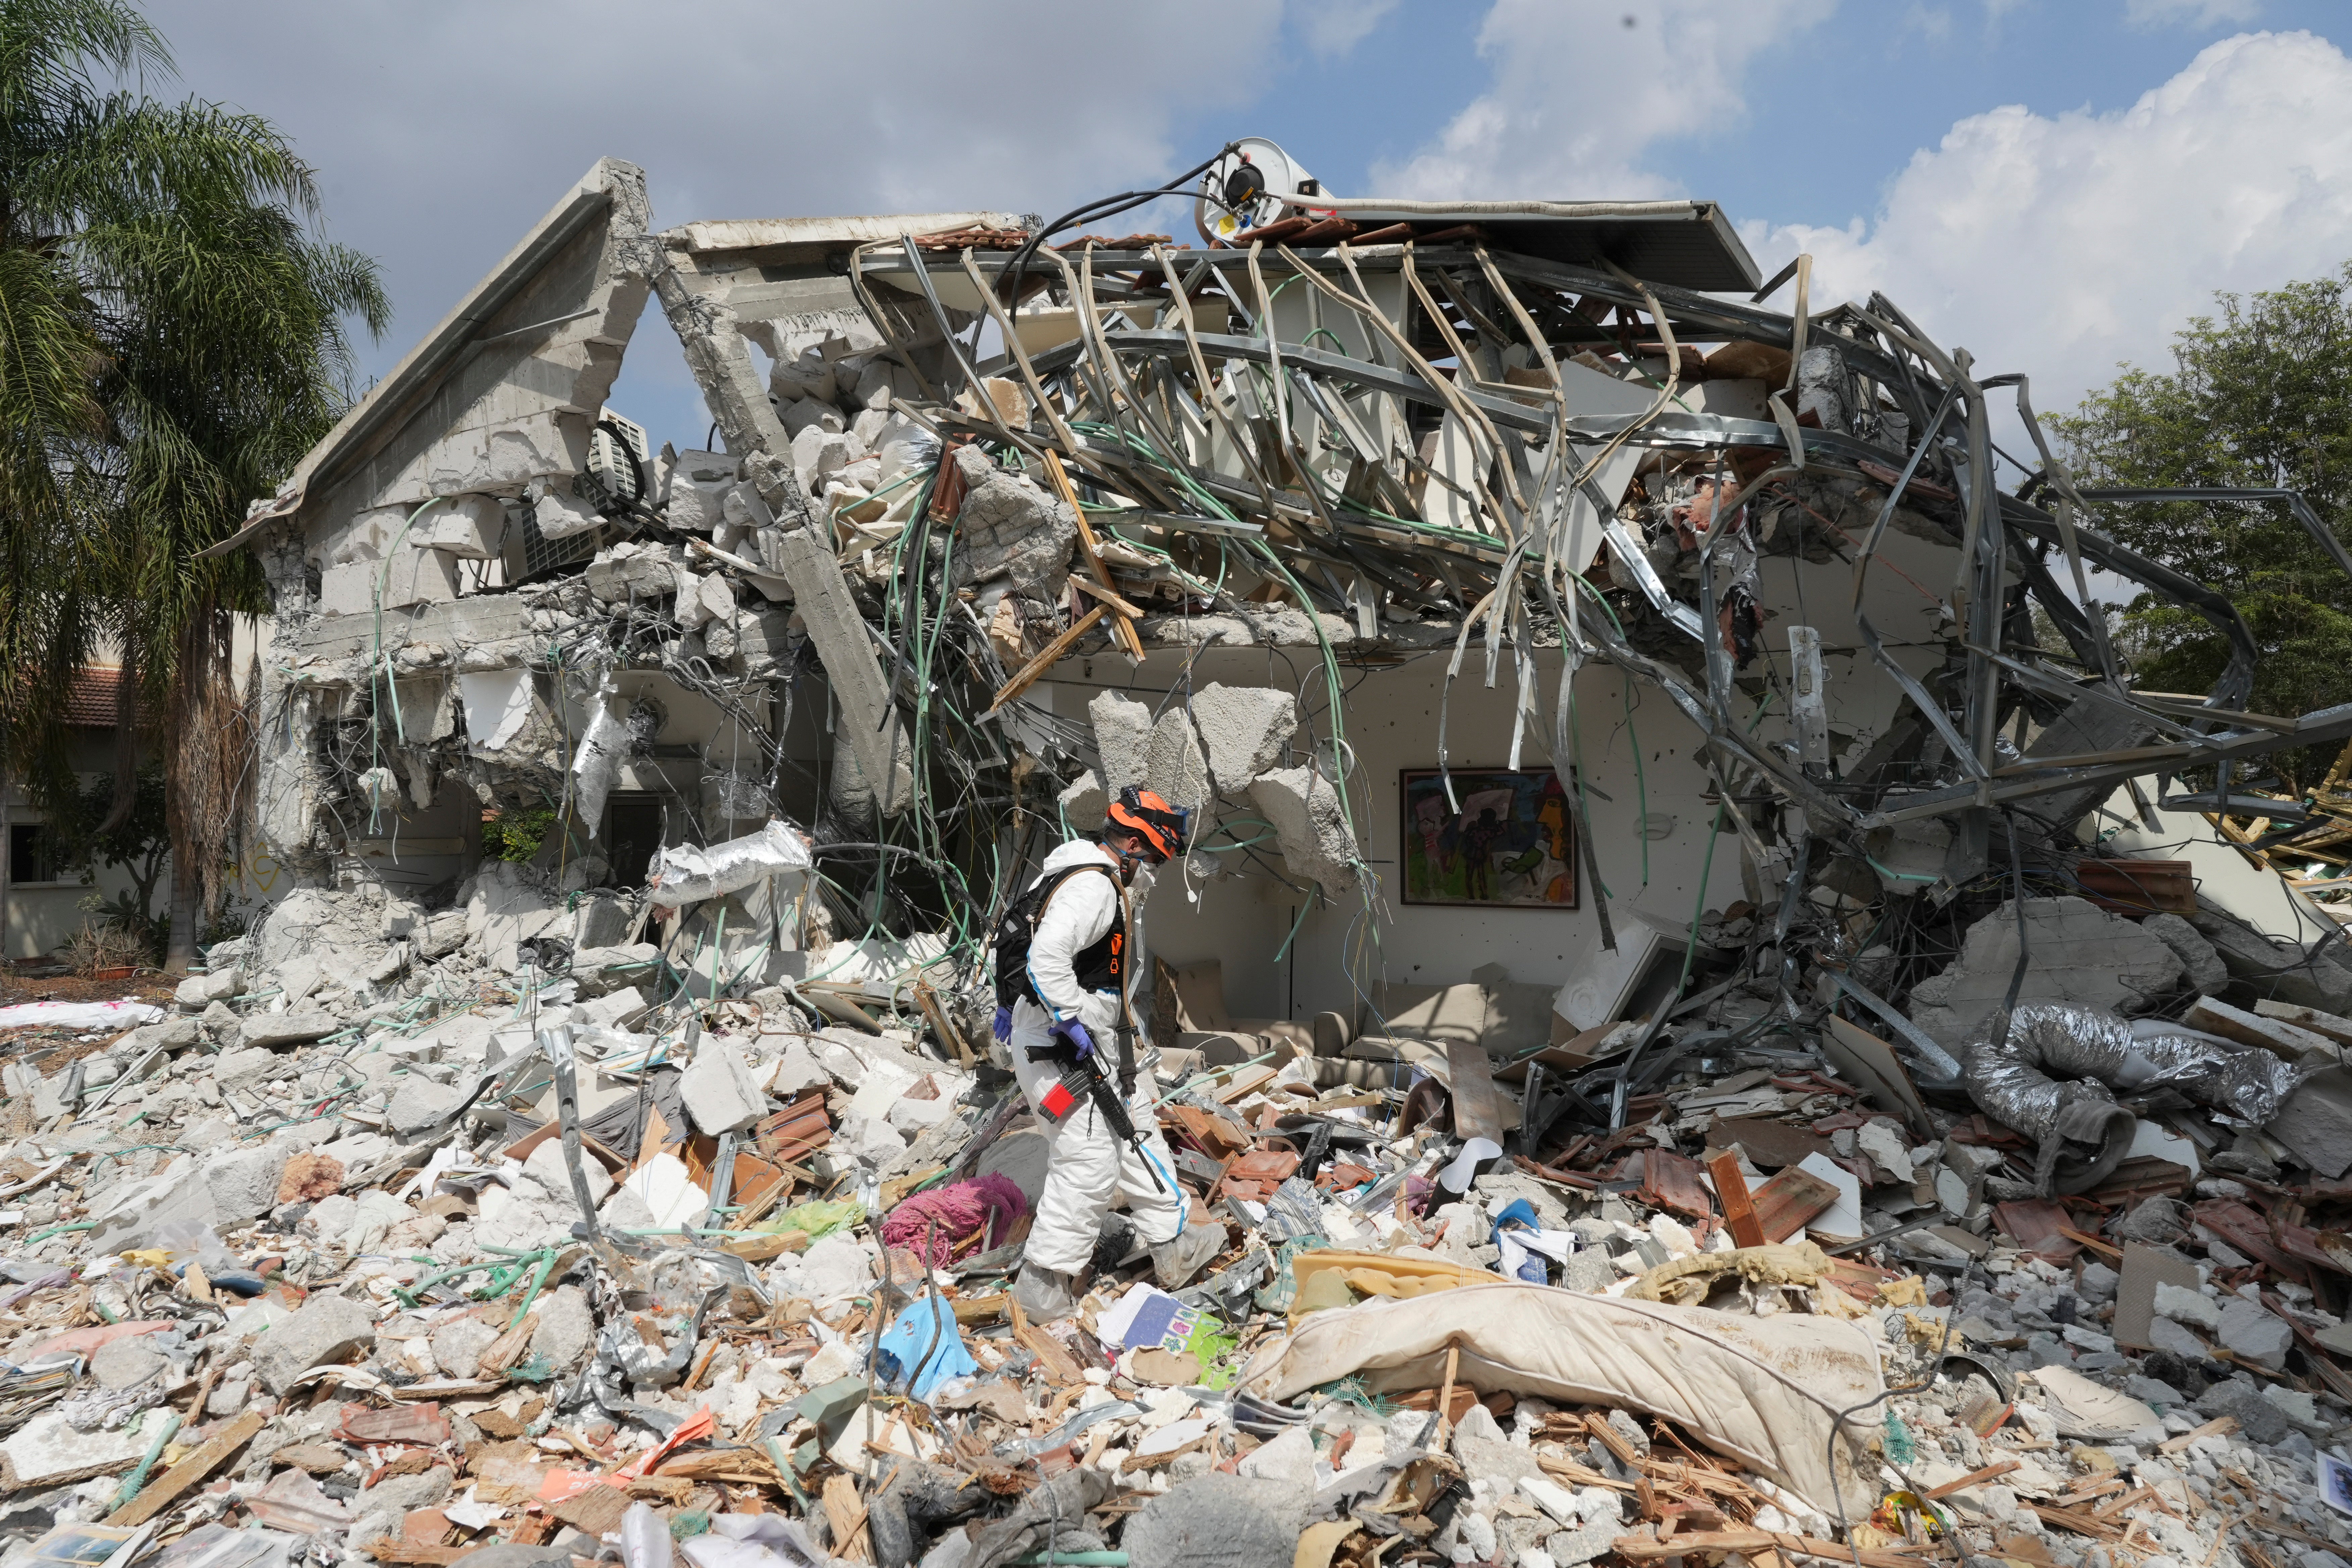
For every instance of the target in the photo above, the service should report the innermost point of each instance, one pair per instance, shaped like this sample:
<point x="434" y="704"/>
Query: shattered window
<point x="34" y="854"/>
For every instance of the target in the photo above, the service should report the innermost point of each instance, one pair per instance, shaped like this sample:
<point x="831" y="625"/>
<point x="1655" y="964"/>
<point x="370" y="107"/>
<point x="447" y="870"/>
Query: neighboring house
<point x="43" y="895"/>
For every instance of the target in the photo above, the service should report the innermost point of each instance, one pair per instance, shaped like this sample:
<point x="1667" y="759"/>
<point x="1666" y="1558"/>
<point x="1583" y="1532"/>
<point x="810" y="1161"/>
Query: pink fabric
<point x="958" y="1210"/>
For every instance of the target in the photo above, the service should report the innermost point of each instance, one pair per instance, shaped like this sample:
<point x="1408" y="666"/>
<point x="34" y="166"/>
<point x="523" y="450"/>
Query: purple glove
<point x="1003" y="1027"/>
<point x="1076" y="1033"/>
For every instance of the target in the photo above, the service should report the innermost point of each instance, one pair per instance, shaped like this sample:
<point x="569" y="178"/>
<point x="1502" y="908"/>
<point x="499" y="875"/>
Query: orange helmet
<point x="1159" y="824"/>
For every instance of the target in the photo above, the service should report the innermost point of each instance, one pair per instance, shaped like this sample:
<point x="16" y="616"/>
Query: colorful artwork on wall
<point x="1512" y="845"/>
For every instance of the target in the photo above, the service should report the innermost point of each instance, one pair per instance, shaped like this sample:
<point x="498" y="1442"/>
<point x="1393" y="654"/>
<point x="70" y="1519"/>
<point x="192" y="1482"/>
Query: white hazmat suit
<point x="1089" y="1164"/>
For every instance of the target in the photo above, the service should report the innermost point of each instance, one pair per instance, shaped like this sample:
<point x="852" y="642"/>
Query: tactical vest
<point x="1100" y="965"/>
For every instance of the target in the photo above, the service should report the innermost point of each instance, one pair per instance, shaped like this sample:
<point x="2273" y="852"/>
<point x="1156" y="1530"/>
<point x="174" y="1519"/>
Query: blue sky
<point x="2055" y="184"/>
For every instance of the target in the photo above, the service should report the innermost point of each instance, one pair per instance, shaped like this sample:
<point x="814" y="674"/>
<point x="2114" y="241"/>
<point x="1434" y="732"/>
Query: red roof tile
<point x="94" y="698"/>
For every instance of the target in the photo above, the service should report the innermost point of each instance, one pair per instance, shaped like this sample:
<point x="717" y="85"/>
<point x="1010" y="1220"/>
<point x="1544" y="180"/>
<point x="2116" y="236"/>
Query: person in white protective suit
<point x="1063" y="1001"/>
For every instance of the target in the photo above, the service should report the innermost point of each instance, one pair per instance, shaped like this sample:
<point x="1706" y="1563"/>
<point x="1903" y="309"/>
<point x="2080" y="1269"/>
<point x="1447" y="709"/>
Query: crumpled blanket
<point x="961" y="1218"/>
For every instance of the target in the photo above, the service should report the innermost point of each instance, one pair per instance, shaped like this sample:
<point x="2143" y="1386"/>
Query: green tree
<point x="171" y="340"/>
<point x="2259" y="396"/>
<point x="96" y="836"/>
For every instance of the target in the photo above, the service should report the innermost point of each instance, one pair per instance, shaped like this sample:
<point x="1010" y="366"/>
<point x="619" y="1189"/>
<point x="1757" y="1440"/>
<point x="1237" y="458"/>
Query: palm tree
<point x="171" y="340"/>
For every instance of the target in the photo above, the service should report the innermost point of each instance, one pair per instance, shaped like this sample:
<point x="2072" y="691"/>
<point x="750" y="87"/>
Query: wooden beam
<point x="167" y="1487"/>
<point x="1045" y="660"/>
<point x="1974" y="1478"/>
<point x="1124" y="634"/>
<point x="1120" y="606"/>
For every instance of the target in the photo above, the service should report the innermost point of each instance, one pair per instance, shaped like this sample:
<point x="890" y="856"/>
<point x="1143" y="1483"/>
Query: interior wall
<point x="1389" y="718"/>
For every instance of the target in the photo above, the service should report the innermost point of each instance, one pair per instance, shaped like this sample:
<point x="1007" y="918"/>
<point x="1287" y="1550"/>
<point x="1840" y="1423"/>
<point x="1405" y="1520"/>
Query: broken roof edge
<point x="1708" y="216"/>
<point x="764" y="234"/>
<point x="438" y="348"/>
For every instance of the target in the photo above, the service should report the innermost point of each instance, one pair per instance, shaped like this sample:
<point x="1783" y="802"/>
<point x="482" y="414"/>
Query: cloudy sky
<point x="2055" y="184"/>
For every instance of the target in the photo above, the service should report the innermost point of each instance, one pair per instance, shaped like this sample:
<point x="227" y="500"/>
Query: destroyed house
<point x="1568" y="658"/>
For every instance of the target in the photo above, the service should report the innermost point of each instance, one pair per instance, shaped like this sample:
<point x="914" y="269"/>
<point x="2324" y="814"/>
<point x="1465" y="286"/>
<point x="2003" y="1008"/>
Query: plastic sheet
<point x="644" y="1537"/>
<point x="2054" y="1080"/>
<point x="80" y="1015"/>
<point x="683" y="873"/>
<point x="923" y="1350"/>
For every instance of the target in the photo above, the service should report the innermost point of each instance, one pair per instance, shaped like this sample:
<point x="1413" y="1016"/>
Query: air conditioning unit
<point x="605" y="458"/>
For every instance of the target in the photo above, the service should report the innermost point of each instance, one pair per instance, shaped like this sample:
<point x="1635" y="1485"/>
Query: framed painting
<point x="1512" y="845"/>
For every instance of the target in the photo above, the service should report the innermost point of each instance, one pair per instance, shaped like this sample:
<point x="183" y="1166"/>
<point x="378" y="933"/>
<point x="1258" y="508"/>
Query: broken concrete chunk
<point x="458" y="1344"/>
<point x="410" y="577"/>
<point x="1011" y="530"/>
<point x="637" y="572"/>
<point x="1317" y="841"/>
<point x="2276" y="1036"/>
<point x="721" y="1093"/>
<point x="418" y="1103"/>
<point x="565" y="1328"/>
<point x="469" y="527"/>
<point x="1084" y="801"/>
<point x="1246" y="728"/>
<point x="1122" y="740"/>
<point x="245" y="1183"/>
<point x="129" y="1214"/>
<point x="2183" y="1305"/>
<point x="2254" y="1334"/>
<point x="2315" y="1122"/>
<point x="46" y="1452"/>
<point x="2078" y="952"/>
<point x="1173" y="766"/>
<point x="2206" y="970"/>
<point x="200" y="991"/>
<point x="326" y="1329"/>
<point x="126" y="1363"/>
<point x="559" y="514"/>
<point x="547" y="1167"/>
<point x="268" y="1029"/>
<point x="235" y="1068"/>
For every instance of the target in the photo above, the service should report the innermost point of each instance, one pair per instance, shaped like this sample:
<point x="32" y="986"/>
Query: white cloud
<point x="1580" y="97"/>
<point x="2061" y="246"/>
<point x="2189" y="12"/>
<point x="1332" y="27"/>
<point x="442" y="131"/>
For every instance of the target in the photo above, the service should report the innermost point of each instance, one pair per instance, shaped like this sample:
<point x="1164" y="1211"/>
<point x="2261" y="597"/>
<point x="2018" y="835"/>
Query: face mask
<point x="1140" y="875"/>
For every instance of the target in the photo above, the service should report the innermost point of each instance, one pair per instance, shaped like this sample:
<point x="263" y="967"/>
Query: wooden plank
<point x="1245" y="1081"/>
<point x="1645" y="1548"/>
<point x="1059" y="1368"/>
<point x="2288" y="1041"/>
<point x="1122" y="629"/>
<point x="2107" y="1250"/>
<point x="1118" y="603"/>
<point x="929" y="1001"/>
<point x="1045" y="660"/>
<point x="1788" y="1201"/>
<point x="167" y="1487"/>
<point x="1478" y="1107"/>
<point x="2334" y="1027"/>
<point x="386" y="1549"/>
<point x="845" y="1513"/>
<point x="1974" y="1478"/>
<point x="763" y="1249"/>
<point x="1739" y="1210"/>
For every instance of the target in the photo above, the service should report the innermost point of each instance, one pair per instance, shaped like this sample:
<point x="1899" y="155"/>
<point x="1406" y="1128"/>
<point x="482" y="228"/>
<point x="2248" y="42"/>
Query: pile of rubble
<point x="406" y="1235"/>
